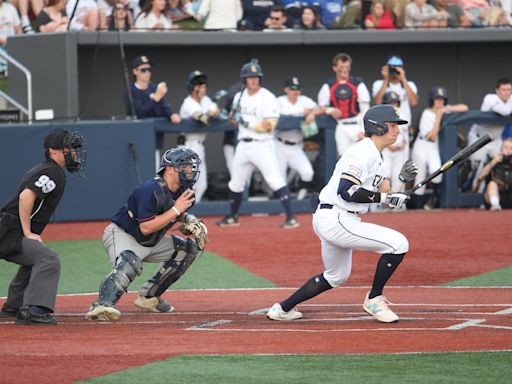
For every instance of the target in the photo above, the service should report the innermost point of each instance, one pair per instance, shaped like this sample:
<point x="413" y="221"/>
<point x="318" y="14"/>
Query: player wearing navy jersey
<point x="32" y="292"/>
<point x="357" y="181"/>
<point x="346" y="99"/>
<point x="137" y="235"/>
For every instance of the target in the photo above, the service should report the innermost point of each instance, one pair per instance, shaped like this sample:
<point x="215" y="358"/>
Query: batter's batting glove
<point x="408" y="172"/>
<point x="396" y="199"/>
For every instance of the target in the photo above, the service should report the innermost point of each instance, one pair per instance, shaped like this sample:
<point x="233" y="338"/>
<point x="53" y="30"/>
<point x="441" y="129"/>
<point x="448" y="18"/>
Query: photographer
<point x="498" y="193"/>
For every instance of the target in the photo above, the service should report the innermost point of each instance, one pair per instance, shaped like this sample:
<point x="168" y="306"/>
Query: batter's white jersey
<point x="340" y="229"/>
<point x="195" y="140"/>
<point x="362" y="162"/>
<point x="347" y="130"/>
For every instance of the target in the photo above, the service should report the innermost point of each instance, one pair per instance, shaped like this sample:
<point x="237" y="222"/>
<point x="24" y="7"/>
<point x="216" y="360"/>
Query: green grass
<point x="438" y="368"/>
<point x="85" y="264"/>
<point x="498" y="278"/>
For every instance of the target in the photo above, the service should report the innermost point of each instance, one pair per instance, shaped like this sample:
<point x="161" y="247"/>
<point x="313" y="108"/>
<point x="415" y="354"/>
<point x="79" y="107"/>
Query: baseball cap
<point x="293" y="83"/>
<point x="395" y="61"/>
<point x="55" y="139"/>
<point x="139" y="60"/>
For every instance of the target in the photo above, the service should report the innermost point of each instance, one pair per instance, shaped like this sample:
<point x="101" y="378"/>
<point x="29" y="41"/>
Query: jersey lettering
<point x="45" y="183"/>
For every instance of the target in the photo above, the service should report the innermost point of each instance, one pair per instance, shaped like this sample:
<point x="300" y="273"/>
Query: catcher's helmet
<point x="251" y="69"/>
<point x="75" y="141"/>
<point x="437" y="93"/>
<point x="196" y="78"/>
<point x="391" y="97"/>
<point x="376" y="117"/>
<point x="185" y="161"/>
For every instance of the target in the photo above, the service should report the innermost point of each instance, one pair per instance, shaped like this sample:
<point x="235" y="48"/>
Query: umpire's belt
<point x="330" y="206"/>
<point x="287" y="142"/>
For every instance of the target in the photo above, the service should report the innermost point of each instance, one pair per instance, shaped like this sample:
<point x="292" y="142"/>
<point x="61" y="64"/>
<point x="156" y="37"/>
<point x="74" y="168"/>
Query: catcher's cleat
<point x="8" y="311"/>
<point x="378" y="308"/>
<point x="229" y="221"/>
<point x="153" y="304"/>
<point x="99" y="312"/>
<point x="277" y="313"/>
<point x="290" y="223"/>
<point x="33" y="315"/>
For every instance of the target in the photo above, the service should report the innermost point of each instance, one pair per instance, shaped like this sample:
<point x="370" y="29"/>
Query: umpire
<point x="32" y="292"/>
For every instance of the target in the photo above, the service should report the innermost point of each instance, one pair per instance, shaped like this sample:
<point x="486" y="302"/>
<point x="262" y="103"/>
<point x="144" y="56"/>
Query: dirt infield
<point x="444" y="246"/>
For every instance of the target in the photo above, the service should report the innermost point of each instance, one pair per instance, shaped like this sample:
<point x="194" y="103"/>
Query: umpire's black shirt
<point x="47" y="180"/>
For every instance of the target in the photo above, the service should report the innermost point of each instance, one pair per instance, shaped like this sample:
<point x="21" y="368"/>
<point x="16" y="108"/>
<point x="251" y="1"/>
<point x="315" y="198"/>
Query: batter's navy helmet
<point x="391" y="97"/>
<point x="251" y="69"/>
<point x="437" y="93"/>
<point x="376" y="117"/>
<point x="185" y="161"/>
<point x="196" y="78"/>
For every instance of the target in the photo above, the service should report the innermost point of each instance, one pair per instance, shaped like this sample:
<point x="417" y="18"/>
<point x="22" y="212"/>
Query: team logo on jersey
<point x="45" y="183"/>
<point x="354" y="171"/>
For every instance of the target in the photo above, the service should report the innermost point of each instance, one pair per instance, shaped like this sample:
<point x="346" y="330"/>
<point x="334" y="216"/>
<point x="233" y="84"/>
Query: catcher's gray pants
<point x="37" y="278"/>
<point x="116" y="240"/>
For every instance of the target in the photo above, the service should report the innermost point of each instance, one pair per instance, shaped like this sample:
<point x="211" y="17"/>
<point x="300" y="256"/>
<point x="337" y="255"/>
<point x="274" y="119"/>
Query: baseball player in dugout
<point x="357" y="182"/>
<point x="32" y="292"/>
<point x="289" y="145"/>
<point x="137" y="234"/>
<point x="256" y="112"/>
<point x="198" y="106"/>
<point x="346" y="99"/>
<point x="147" y="99"/>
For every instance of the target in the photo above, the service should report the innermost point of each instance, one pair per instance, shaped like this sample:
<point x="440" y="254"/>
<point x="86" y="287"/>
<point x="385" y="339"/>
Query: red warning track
<point x="444" y="246"/>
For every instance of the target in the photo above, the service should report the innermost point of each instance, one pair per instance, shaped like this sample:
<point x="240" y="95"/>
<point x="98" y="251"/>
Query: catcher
<point x="137" y="235"/>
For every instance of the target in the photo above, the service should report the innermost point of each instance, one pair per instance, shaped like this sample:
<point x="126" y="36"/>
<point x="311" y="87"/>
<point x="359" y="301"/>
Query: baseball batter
<point x="425" y="151"/>
<point x="289" y="145"/>
<point x="256" y="111"/>
<point x="346" y="99"/>
<point x="198" y="106"/>
<point x="357" y="182"/>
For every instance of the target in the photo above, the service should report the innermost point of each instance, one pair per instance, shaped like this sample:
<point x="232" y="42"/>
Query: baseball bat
<point x="456" y="159"/>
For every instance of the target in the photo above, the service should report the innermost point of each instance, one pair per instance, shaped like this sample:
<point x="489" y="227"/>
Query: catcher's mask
<point x="186" y="162"/>
<point x="74" y="141"/>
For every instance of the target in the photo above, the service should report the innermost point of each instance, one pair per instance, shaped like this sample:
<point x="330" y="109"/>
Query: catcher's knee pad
<point x="185" y="252"/>
<point x="128" y="267"/>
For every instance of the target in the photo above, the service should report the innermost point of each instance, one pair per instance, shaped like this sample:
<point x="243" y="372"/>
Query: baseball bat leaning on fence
<point x="456" y="159"/>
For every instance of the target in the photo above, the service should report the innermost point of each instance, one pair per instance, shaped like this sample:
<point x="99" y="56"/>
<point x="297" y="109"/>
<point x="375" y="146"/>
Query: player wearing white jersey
<point x="501" y="103"/>
<point x="198" y="106"/>
<point x="357" y="181"/>
<point x="256" y="111"/>
<point x="289" y="145"/>
<point x="346" y="99"/>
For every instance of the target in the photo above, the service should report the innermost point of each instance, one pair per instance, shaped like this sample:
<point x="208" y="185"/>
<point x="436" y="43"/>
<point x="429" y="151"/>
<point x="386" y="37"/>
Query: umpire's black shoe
<point x="34" y="315"/>
<point x="8" y="311"/>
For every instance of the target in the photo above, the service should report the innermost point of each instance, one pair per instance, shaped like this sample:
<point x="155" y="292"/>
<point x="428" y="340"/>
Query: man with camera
<point x="498" y="193"/>
<point x="395" y="80"/>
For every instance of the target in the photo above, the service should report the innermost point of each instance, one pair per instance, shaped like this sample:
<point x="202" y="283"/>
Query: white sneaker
<point x="495" y="207"/>
<point x="277" y="313"/>
<point x="153" y="304"/>
<point x="378" y="308"/>
<point x="99" y="312"/>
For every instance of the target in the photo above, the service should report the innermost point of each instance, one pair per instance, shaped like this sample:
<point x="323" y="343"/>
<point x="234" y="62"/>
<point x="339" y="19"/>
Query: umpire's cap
<point x="437" y="93"/>
<point x="251" y="69"/>
<point x="139" y="60"/>
<point x="391" y="97"/>
<point x="60" y="138"/>
<point x="376" y="117"/>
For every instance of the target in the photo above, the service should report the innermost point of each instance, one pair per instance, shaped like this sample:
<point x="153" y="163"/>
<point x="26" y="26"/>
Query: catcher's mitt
<point x="194" y="226"/>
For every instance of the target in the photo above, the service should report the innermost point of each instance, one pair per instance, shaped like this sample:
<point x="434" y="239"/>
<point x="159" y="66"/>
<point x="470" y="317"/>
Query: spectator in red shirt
<point x="379" y="17"/>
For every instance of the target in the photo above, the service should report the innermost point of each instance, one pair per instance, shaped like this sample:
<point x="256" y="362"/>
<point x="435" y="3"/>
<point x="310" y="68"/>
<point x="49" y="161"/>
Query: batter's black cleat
<point x="229" y="221"/>
<point x="34" y="315"/>
<point x="8" y="311"/>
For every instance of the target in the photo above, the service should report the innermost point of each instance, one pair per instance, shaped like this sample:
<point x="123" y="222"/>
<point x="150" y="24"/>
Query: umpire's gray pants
<point x="37" y="278"/>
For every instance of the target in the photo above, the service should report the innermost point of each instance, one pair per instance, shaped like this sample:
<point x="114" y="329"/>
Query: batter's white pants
<point x="293" y="156"/>
<point x="202" y="182"/>
<point x="426" y="156"/>
<point x="341" y="232"/>
<point x="259" y="154"/>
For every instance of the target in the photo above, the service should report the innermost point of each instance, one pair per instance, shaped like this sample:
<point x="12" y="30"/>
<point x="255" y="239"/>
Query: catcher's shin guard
<point x="128" y="267"/>
<point x="184" y="255"/>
